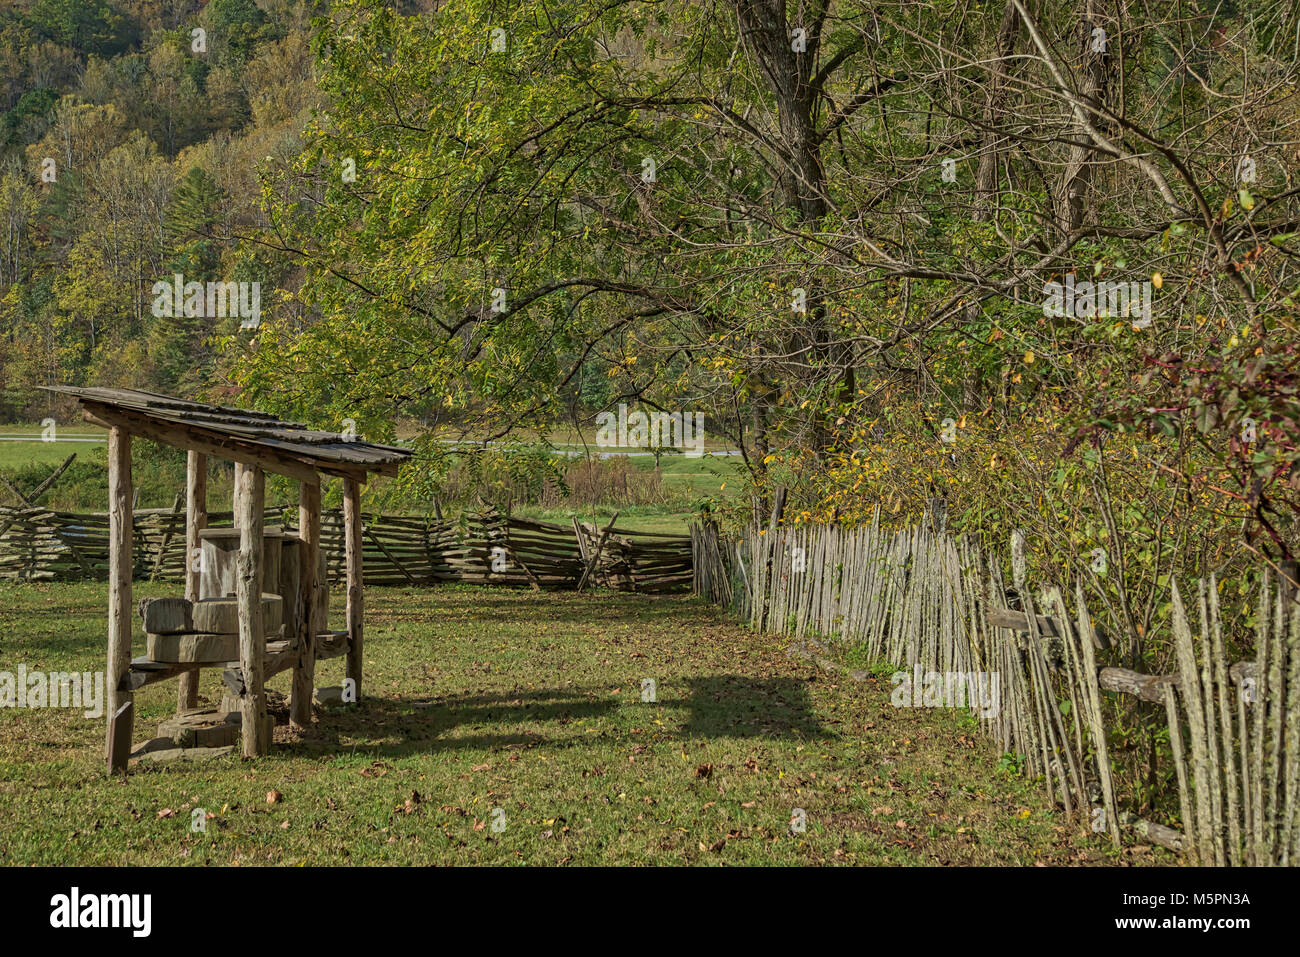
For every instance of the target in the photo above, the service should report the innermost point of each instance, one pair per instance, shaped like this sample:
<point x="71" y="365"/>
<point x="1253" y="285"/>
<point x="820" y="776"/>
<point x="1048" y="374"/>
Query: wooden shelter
<point x="257" y="443"/>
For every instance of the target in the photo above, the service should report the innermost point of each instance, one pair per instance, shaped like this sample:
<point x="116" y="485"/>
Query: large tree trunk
<point x="770" y="39"/>
<point x="986" y="172"/>
<point x="802" y="178"/>
<point x="1073" y="190"/>
<point x="987" y="191"/>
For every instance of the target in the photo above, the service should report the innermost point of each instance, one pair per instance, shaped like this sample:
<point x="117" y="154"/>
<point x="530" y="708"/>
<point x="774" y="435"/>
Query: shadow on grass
<point x="738" y="706"/>
<point x="716" y="706"/>
<point x="430" y="725"/>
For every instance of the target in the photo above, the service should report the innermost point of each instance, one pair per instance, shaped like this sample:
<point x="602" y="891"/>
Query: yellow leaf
<point x="1157" y="280"/>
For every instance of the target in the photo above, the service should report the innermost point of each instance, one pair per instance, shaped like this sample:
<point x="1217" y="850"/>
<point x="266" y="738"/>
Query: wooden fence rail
<point x="38" y="544"/>
<point x="935" y="606"/>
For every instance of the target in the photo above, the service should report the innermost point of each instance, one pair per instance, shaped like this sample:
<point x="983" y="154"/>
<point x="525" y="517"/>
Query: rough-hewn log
<point x="279" y="655"/>
<point x="119" y="735"/>
<point x="167" y="616"/>
<point x="120" y="534"/>
<point x="1126" y="681"/>
<point x="196" y="519"/>
<point x="1148" y="687"/>
<point x="288" y="587"/>
<point x="356" y="608"/>
<point x="145" y="671"/>
<point x="1241" y="671"/>
<point x="1019" y="621"/>
<point x="311" y="617"/>
<point x="1166" y="837"/>
<point x="221" y="559"/>
<point x="250" y="494"/>
<point x="1047" y="627"/>
<point x="331" y="644"/>
<point x="194" y="648"/>
<point x="220" y="616"/>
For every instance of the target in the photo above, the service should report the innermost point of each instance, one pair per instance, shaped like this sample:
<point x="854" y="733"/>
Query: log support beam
<point x="196" y="519"/>
<point x="355" y="611"/>
<point x="250" y="495"/>
<point x="120" y="607"/>
<point x="312" y="620"/>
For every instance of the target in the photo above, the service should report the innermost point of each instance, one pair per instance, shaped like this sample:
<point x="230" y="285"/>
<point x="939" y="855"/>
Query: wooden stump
<point x="193" y="648"/>
<point x="220" y="616"/>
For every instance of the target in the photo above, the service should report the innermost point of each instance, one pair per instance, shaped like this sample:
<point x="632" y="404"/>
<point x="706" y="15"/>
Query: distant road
<point x="604" y="454"/>
<point x="599" y="454"/>
<point x="60" y="439"/>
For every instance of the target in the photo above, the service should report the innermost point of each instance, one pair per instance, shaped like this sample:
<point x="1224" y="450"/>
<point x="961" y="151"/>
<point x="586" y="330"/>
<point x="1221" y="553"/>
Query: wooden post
<point x="250" y="494"/>
<point x="196" y="519"/>
<point x="119" y="735"/>
<point x="937" y="511"/>
<point x="1019" y="572"/>
<point x="121" y="531"/>
<point x="352" y="538"/>
<point x="595" y="558"/>
<point x="312" y="622"/>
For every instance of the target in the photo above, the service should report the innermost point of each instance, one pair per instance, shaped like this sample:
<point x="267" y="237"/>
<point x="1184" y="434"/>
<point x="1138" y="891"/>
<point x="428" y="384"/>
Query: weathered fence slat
<point x="918" y="598"/>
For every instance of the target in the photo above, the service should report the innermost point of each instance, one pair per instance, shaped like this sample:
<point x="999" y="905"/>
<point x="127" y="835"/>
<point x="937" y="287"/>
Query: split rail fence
<point x="924" y="600"/>
<point x="39" y="544"/>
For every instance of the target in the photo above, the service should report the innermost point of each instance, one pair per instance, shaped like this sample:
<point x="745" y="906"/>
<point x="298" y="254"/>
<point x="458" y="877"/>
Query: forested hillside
<point x="128" y="155"/>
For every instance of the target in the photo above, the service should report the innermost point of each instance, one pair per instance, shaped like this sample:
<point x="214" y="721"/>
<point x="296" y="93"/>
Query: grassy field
<point x="22" y="445"/>
<point x="26" y="460"/>
<point x="480" y="699"/>
<point x="685" y="480"/>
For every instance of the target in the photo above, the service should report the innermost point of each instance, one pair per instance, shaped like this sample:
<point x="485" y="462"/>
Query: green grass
<point x="701" y="476"/>
<point x="29" y="449"/>
<point x="478" y="699"/>
<point x="685" y="482"/>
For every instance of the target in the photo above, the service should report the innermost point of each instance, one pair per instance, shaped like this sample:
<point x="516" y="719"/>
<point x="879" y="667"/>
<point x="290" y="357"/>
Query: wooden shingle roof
<point x="241" y="435"/>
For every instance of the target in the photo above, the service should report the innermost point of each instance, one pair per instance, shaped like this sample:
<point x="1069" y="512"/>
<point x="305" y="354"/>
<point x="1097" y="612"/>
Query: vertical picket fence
<point x="928" y="602"/>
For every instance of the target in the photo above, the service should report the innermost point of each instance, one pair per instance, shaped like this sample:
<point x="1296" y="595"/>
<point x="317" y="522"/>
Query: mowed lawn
<point x="482" y="699"/>
<point x="23" y="445"/>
